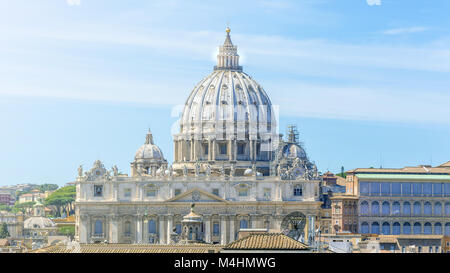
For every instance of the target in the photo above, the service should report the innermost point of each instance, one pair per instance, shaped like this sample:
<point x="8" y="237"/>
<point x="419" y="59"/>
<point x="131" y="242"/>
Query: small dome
<point x="192" y="216"/>
<point x="248" y="172"/>
<point x="293" y="151"/>
<point x="149" y="151"/>
<point x="38" y="222"/>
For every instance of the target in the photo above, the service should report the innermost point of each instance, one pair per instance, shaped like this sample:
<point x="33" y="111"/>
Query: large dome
<point x="227" y="120"/>
<point x="228" y="96"/>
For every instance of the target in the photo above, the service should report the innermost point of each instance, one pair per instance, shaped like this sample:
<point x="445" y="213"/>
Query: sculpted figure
<point x="185" y="170"/>
<point x="80" y="171"/>
<point x="208" y="169"/>
<point x="115" y="170"/>
<point x="232" y="170"/>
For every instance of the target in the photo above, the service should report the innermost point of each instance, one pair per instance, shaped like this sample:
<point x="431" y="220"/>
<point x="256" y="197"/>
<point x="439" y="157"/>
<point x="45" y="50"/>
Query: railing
<point x="98" y="235"/>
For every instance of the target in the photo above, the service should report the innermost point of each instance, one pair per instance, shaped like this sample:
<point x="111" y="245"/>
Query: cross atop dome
<point x="228" y="59"/>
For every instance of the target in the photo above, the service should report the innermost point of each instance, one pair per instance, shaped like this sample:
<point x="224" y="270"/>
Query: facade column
<point x="230" y="150"/>
<point x="213" y="150"/>
<point x="138" y="238"/>
<point x="209" y="150"/>
<point x="113" y="229"/>
<point x="83" y="229"/>
<point x="169" y="227"/>
<point x="162" y="238"/>
<point x="251" y="150"/>
<point x="232" y="231"/>
<point x="207" y="235"/>
<point x="223" y="230"/>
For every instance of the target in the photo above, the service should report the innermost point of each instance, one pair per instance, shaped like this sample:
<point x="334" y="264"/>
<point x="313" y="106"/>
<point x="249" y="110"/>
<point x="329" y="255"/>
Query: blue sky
<point x="366" y="81"/>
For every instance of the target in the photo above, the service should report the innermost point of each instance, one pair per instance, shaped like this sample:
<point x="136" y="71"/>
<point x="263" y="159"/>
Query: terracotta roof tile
<point x="273" y="241"/>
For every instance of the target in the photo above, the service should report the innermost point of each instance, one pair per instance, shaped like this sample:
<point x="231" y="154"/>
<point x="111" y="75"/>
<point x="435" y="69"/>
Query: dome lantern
<point x="228" y="59"/>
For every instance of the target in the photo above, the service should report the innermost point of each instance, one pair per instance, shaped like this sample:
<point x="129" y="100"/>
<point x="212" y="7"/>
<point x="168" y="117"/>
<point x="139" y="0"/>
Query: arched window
<point x="396" y="228"/>
<point x="127" y="228"/>
<point x="447" y="229"/>
<point x="417" y="228"/>
<point x="152" y="226"/>
<point x="385" y="208"/>
<point x="406" y="208"/>
<point x="98" y="227"/>
<point x="365" y="228"/>
<point x="447" y="208"/>
<point x="364" y="208"/>
<point x="438" y="209"/>
<point x="427" y="208"/>
<point x="427" y="228"/>
<point x="396" y="208"/>
<point x="375" y="208"/>
<point x="375" y="228"/>
<point x="417" y="208"/>
<point x="386" y="228"/>
<point x="438" y="228"/>
<point x="406" y="228"/>
<point x="243" y="223"/>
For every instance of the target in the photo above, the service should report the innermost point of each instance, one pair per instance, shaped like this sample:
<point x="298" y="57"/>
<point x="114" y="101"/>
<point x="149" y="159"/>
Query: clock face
<point x="97" y="172"/>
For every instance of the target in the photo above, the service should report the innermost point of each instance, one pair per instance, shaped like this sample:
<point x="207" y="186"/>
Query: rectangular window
<point x="406" y="189"/>
<point x="205" y="149"/>
<point x="437" y="189"/>
<point x="364" y="188"/>
<point x="374" y="189"/>
<point x="241" y="148"/>
<point x="298" y="191"/>
<point x="396" y="189"/>
<point x="267" y="193"/>
<point x="223" y="149"/>
<point x="151" y="192"/>
<point x="98" y="190"/>
<point x="215" y="192"/>
<point x="127" y="192"/>
<point x="385" y="189"/>
<point x="177" y="192"/>
<point x="216" y="229"/>
<point x="417" y="189"/>
<point x="447" y="189"/>
<point x="243" y="192"/>
<point x="427" y="189"/>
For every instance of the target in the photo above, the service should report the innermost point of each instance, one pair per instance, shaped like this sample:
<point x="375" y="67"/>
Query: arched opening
<point x="427" y="208"/>
<point x="417" y="228"/>
<point x="396" y="228"/>
<point x="406" y="209"/>
<point x="375" y="228"/>
<point x="365" y="228"/>
<point x="386" y="228"/>
<point x="364" y="208"/>
<point x="417" y="208"/>
<point x="396" y="208"/>
<point x="438" y="209"/>
<point x="438" y="228"/>
<point x="427" y="228"/>
<point x="447" y="229"/>
<point x="243" y="223"/>
<point x="98" y="229"/>
<point x="152" y="226"/>
<point x="406" y="228"/>
<point x="385" y="208"/>
<point x="375" y="208"/>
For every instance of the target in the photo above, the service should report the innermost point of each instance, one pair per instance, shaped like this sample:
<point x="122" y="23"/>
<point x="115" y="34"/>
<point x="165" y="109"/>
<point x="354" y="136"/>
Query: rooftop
<point x="266" y="241"/>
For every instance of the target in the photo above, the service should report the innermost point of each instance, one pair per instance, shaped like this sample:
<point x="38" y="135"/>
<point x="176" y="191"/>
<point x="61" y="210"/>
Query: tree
<point x="61" y="198"/>
<point x="4" y="233"/>
<point x="48" y="187"/>
<point x="67" y="231"/>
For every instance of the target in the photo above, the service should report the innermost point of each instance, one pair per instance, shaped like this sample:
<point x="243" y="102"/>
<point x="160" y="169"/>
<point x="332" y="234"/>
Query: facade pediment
<point x="196" y="195"/>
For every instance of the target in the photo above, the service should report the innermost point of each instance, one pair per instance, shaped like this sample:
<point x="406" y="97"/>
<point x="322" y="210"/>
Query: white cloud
<point x="373" y="2"/>
<point x="73" y="2"/>
<point x="396" y="31"/>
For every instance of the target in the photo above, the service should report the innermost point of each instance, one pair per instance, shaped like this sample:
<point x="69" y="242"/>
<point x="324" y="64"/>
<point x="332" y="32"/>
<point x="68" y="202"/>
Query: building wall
<point x="135" y="210"/>
<point x="383" y="209"/>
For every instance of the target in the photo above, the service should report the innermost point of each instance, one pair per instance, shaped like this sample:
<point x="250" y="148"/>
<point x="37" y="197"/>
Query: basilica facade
<point x="229" y="160"/>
